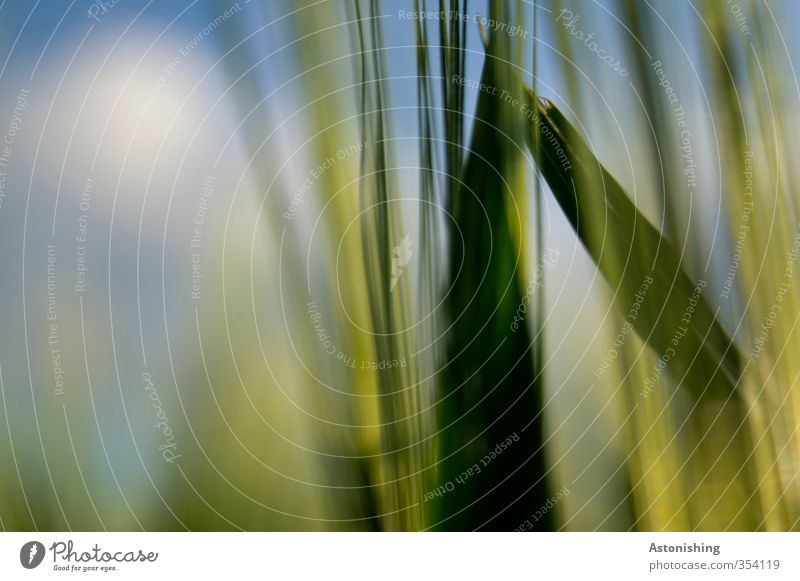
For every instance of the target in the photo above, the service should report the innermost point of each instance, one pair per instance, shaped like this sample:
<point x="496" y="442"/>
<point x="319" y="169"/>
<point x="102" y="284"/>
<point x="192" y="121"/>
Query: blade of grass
<point x="403" y="446"/>
<point x="429" y="296"/>
<point x="606" y="220"/>
<point x="490" y="387"/>
<point x="674" y="320"/>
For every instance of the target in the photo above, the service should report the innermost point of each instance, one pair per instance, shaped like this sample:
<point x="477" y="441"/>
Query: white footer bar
<point x="354" y="556"/>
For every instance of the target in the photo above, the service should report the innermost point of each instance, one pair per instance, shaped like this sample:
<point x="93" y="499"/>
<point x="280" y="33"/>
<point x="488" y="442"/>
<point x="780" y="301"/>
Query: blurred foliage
<point x="692" y="329"/>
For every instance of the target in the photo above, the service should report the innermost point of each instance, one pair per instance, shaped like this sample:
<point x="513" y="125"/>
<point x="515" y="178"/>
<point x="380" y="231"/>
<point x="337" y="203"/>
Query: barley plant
<point x="403" y="266"/>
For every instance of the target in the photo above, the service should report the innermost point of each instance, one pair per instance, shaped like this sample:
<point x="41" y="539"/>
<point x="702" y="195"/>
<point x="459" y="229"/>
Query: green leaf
<point x="491" y="393"/>
<point x="673" y="317"/>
